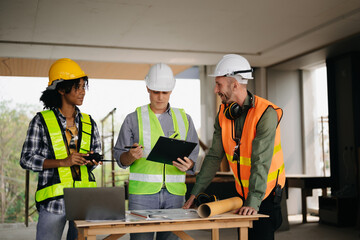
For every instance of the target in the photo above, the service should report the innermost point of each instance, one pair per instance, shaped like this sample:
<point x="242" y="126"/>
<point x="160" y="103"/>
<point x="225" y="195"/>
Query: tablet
<point x="167" y="150"/>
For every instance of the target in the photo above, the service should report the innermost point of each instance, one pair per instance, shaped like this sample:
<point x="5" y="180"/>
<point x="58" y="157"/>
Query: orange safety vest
<point x="277" y="168"/>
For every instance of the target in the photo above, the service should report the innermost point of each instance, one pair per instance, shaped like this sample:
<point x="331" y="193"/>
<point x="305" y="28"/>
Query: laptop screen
<point x="100" y="203"/>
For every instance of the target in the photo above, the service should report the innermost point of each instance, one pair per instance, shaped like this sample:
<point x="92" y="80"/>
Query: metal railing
<point x="103" y="137"/>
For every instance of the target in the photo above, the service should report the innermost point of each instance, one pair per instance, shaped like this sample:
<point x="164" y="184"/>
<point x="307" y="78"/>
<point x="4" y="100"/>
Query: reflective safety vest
<point x="63" y="177"/>
<point x="277" y="168"/>
<point x="147" y="177"/>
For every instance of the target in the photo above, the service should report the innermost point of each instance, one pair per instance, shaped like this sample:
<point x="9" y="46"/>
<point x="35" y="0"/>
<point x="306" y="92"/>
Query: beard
<point x="224" y="98"/>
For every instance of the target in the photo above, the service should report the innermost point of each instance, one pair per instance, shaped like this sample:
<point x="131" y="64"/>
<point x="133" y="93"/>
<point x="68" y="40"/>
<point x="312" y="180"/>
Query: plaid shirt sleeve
<point x="36" y="147"/>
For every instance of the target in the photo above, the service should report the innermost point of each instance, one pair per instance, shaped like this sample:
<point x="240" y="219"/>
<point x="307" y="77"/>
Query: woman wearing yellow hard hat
<point x="57" y="146"/>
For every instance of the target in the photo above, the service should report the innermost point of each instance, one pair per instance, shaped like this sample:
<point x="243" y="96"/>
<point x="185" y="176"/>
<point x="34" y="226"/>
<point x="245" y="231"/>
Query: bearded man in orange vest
<point x="247" y="132"/>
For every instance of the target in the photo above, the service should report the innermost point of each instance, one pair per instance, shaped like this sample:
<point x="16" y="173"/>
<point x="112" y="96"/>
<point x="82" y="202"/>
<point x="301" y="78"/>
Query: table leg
<point x="215" y="234"/>
<point x="243" y="233"/>
<point x="114" y="236"/>
<point x="303" y="205"/>
<point x="182" y="235"/>
<point x="324" y="192"/>
<point x="81" y="234"/>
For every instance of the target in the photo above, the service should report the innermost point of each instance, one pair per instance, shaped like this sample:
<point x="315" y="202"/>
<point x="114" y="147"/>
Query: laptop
<point x="102" y="203"/>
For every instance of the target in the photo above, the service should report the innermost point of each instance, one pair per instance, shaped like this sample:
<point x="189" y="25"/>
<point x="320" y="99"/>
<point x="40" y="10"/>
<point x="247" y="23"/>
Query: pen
<point x="129" y="147"/>
<point x="138" y="215"/>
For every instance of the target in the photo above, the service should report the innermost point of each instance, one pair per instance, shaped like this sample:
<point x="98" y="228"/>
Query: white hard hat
<point x="233" y="65"/>
<point x="160" y="78"/>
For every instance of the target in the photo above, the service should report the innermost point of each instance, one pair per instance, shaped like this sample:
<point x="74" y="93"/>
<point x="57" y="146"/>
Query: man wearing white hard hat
<point x="154" y="185"/>
<point x="247" y="132"/>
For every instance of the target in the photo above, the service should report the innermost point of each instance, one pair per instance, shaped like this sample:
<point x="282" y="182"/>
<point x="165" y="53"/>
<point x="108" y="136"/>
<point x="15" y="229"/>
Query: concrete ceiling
<point x="187" y="32"/>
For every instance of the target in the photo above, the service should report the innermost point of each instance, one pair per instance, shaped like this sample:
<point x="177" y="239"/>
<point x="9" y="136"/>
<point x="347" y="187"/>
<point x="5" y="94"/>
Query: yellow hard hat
<point x="64" y="69"/>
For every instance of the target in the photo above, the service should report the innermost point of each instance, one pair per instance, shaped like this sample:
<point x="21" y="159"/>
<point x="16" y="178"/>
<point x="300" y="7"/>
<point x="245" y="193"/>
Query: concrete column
<point x="260" y="82"/>
<point x="208" y="104"/>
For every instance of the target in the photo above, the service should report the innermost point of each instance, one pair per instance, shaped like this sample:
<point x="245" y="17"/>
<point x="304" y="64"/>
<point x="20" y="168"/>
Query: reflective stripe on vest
<point x="60" y="150"/>
<point x="147" y="177"/>
<point x="277" y="167"/>
<point x="156" y="178"/>
<point x="86" y="130"/>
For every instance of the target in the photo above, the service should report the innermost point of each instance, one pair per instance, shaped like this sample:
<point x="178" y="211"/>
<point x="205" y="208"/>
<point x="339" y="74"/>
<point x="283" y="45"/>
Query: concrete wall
<point x="284" y="89"/>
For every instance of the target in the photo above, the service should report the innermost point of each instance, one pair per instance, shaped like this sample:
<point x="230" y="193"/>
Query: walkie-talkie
<point x="277" y="190"/>
<point x="97" y="157"/>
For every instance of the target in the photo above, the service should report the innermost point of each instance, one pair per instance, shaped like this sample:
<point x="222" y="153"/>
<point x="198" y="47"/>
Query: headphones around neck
<point x="232" y="111"/>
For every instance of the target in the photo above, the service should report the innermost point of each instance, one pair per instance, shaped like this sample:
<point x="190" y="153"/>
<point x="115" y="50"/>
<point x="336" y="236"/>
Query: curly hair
<point x="52" y="98"/>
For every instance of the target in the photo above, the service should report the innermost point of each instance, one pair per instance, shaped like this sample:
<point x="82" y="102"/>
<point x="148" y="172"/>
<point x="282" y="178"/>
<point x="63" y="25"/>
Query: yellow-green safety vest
<point x="57" y="141"/>
<point x="147" y="177"/>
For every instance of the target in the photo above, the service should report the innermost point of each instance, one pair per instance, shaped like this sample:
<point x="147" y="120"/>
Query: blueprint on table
<point x="161" y="214"/>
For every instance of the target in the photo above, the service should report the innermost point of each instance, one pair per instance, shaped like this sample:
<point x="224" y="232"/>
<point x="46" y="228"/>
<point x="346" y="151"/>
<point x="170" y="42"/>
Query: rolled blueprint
<point x="218" y="207"/>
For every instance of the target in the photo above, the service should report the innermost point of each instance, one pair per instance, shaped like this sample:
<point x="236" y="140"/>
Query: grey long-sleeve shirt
<point x="129" y="134"/>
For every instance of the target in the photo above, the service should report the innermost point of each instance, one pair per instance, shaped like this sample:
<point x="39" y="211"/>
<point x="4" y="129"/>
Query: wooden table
<point x="307" y="184"/>
<point x="116" y="229"/>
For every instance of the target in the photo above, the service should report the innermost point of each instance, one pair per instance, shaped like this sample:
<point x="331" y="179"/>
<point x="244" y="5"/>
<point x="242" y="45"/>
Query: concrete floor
<point x="308" y="231"/>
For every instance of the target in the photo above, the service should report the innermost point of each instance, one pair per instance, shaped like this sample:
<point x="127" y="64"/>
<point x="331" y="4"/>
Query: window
<point x="315" y="128"/>
<point x="322" y="114"/>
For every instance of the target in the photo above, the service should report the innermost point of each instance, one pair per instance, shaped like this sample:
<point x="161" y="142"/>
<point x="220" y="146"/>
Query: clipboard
<point x="167" y="150"/>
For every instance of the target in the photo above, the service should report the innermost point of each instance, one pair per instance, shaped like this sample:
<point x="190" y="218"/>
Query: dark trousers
<point x="264" y="228"/>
